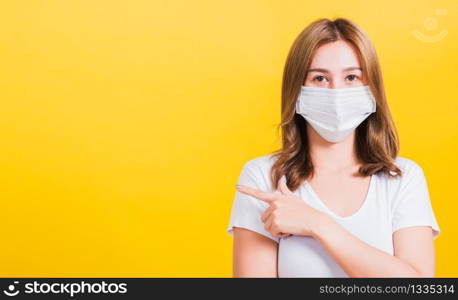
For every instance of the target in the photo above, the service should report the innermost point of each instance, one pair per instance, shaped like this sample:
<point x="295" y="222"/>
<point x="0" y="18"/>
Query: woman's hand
<point x="287" y="214"/>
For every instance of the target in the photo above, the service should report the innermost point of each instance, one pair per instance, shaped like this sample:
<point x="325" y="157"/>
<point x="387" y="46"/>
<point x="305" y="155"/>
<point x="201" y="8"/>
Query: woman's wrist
<point x="321" y="225"/>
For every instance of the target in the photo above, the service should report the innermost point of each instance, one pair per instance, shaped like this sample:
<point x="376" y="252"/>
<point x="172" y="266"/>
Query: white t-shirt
<point x="390" y="204"/>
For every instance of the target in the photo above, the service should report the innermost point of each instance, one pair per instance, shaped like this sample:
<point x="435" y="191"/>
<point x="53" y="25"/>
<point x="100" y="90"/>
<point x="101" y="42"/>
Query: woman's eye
<point x="352" y="77"/>
<point x="319" y="78"/>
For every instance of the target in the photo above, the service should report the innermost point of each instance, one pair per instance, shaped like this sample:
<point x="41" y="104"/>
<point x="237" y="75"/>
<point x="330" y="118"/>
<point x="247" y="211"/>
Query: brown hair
<point x="376" y="138"/>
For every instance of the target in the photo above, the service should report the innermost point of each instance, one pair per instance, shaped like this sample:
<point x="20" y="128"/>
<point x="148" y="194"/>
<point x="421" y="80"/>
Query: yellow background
<point x="125" y="124"/>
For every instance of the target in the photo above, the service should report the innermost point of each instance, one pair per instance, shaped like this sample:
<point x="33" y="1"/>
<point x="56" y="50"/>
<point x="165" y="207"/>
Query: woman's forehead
<point x="337" y="55"/>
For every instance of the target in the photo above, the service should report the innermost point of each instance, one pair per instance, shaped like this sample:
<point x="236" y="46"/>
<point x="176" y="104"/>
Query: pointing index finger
<point x="261" y="195"/>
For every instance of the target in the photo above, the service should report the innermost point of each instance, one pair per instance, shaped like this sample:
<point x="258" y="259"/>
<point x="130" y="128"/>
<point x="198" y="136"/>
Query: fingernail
<point x="238" y="186"/>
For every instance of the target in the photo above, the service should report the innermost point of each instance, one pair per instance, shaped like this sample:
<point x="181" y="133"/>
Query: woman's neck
<point x="337" y="157"/>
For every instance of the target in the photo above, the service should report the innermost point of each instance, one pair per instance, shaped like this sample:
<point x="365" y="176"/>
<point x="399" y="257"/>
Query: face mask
<point x="335" y="113"/>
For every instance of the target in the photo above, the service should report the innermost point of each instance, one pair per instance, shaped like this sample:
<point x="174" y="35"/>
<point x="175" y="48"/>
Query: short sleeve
<point x="246" y="210"/>
<point x="413" y="206"/>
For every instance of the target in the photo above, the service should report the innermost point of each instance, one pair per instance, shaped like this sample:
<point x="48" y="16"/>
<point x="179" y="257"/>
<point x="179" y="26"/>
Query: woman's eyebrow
<point x="327" y="71"/>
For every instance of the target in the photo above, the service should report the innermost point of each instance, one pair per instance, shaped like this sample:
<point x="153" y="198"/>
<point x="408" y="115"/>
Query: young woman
<point x="336" y="200"/>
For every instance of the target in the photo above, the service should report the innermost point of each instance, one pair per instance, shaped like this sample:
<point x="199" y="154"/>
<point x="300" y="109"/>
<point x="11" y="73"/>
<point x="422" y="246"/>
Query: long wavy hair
<point x="376" y="138"/>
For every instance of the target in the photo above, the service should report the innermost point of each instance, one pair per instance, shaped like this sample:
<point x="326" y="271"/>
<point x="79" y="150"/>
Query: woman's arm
<point x="413" y="254"/>
<point x="254" y="255"/>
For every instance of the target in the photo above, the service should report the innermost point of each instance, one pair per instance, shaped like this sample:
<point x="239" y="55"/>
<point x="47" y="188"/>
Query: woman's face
<point x="334" y="66"/>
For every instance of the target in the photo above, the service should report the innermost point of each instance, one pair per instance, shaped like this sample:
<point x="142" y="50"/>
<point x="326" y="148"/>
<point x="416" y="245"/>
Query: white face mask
<point x="335" y="113"/>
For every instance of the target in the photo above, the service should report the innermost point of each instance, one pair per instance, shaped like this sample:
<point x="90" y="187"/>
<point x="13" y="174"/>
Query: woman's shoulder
<point x="256" y="172"/>
<point x="260" y="167"/>
<point x="409" y="168"/>
<point x="407" y="165"/>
